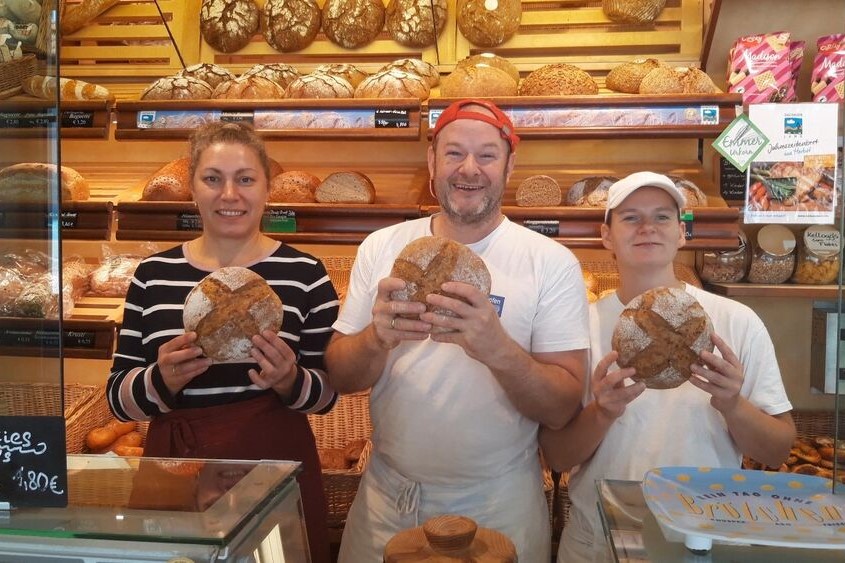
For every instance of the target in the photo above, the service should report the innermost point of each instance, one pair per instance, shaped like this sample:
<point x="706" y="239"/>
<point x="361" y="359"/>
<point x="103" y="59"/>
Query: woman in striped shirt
<point x="246" y="410"/>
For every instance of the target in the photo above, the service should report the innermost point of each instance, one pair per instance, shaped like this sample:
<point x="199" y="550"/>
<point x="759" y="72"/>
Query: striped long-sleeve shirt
<point x="153" y="315"/>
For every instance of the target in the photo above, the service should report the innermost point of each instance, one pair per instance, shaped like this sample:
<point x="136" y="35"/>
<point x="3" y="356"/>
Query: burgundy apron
<point x="259" y="428"/>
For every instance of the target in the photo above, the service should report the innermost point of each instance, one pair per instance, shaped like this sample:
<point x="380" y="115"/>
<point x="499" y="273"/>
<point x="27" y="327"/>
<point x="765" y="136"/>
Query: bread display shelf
<point x="350" y="119"/>
<point x="780" y="290"/>
<point x="31" y="118"/>
<point x="89" y="339"/>
<point x="620" y="116"/>
<point x="79" y="220"/>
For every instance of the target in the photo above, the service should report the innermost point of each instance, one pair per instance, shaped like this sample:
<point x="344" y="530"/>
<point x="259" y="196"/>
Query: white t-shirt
<point x="439" y="416"/>
<point x="671" y="427"/>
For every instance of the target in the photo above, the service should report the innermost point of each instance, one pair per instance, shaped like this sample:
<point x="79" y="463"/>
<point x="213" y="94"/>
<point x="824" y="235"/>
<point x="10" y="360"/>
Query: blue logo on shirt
<point x="498" y="304"/>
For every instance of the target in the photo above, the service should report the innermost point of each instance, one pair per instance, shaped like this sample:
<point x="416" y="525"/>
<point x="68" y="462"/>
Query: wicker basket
<point x="93" y="413"/>
<point x="13" y="73"/>
<point x="811" y="424"/>
<point x="339" y="269"/>
<point x="607" y="276"/>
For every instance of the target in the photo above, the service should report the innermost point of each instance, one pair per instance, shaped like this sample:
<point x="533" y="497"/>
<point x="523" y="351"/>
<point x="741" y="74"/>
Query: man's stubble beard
<point x="488" y="209"/>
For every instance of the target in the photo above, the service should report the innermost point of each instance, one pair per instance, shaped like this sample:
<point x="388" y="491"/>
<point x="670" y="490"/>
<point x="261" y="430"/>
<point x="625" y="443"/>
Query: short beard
<point x="489" y="207"/>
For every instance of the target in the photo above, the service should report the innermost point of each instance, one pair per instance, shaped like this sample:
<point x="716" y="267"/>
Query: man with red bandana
<point x="456" y="414"/>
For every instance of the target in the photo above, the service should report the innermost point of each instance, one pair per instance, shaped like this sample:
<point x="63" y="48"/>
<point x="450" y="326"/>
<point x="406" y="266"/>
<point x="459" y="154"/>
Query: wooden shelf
<point x="774" y="290"/>
<point x="79" y="220"/>
<point x="24" y="118"/>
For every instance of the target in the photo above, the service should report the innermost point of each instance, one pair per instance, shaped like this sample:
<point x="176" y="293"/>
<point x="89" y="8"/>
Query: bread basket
<point x="13" y="73"/>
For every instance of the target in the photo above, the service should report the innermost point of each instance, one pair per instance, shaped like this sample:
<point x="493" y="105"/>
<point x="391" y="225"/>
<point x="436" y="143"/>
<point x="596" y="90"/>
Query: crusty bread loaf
<point x="79" y="15"/>
<point x="538" y="191"/>
<point x="473" y="81"/>
<point x="290" y="25"/>
<point x="209" y="73"/>
<point x="177" y="88"/>
<point x="590" y="191"/>
<point x="44" y="87"/>
<point x="559" y="79"/>
<point x="419" y="67"/>
<point x="354" y="449"/>
<point x="293" y="186"/>
<point x="31" y="182"/>
<point x="333" y="459"/>
<point x="678" y="80"/>
<point x="280" y="73"/>
<point x="488" y="24"/>
<point x="694" y="195"/>
<point x="248" y="88"/>
<point x="228" y="25"/>
<point x="227" y="308"/>
<point x="428" y="262"/>
<point x="627" y="76"/>
<point x="319" y="85"/>
<point x="352" y="23"/>
<point x="346" y="187"/>
<point x="172" y="182"/>
<point x="114" y="274"/>
<point x="661" y="334"/>
<point x="348" y="72"/>
<point x="393" y="83"/>
<point x="491" y="59"/>
<point x="633" y="11"/>
<point x="410" y="22"/>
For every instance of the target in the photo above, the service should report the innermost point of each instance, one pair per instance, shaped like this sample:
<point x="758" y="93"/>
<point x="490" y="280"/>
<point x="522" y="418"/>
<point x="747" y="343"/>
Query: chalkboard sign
<point x="732" y="181"/>
<point x="33" y="462"/>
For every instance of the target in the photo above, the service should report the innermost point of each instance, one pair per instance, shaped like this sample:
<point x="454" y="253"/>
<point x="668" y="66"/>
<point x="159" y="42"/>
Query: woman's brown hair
<point x="236" y="133"/>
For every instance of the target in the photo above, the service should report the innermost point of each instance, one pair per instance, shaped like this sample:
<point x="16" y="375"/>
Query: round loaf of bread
<point x="290" y="25"/>
<point x="678" y="80"/>
<point x="320" y="85"/>
<point x="590" y="191"/>
<point x="627" y="76"/>
<point x="172" y="182"/>
<point x="348" y="72"/>
<point x="538" y="191"/>
<point x="177" y="88"/>
<point x="633" y="11"/>
<point x="488" y="23"/>
<point x="209" y="73"/>
<point x="661" y="333"/>
<point x="293" y="186"/>
<point x="346" y="187"/>
<point x="410" y="22"/>
<point x="228" y="25"/>
<point x="280" y="73"/>
<point x="493" y="60"/>
<point x="694" y="195"/>
<point x="425" y="70"/>
<point x="559" y="79"/>
<point x="352" y="23"/>
<point x="393" y="83"/>
<point x="428" y="262"/>
<point x="31" y="182"/>
<point x="227" y="308"/>
<point x="477" y="81"/>
<point x="696" y="81"/>
<point x="248" y="88"/>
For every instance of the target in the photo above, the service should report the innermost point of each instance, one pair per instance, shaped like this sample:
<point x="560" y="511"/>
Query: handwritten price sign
<point x="33" y="463"/>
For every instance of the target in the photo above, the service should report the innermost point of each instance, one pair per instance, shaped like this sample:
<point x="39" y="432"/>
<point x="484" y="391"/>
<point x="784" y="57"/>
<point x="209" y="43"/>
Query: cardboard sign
<point x="33" y="462"/>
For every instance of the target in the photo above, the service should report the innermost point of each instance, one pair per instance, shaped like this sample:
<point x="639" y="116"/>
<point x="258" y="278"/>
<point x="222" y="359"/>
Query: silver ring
<point x="393" y="323"/>
<point x="175" y="373"/>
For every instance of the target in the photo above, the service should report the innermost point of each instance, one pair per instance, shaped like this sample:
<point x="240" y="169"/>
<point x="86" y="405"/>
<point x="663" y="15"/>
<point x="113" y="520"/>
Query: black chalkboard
<point x="33" y="462"/>
<point x="732" y="181"/>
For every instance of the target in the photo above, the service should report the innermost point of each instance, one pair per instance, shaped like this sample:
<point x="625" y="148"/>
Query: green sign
<point x="741" y="142"/>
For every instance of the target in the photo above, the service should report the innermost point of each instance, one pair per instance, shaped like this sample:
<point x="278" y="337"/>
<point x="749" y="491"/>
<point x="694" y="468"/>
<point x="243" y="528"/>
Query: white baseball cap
<point x="620" y="190"/>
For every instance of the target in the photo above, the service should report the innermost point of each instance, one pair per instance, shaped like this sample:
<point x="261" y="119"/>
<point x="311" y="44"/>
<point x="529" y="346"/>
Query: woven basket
<point x="348" y="420"/>
<point x="93" y="413"/>
<point x="607" y="276"/>
<point x="339" y="269"/>
<point x="102" y="487"/>
<point x="811" y="424"/>
<point x="13" y="73"/>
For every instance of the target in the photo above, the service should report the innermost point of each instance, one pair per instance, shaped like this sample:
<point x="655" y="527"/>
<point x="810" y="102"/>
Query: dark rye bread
<point x="428" y="262"/>
<point x="177" y="88"/>
<point x="320" y="85"/>
<point x="209" y="73"/>
<point x="559" y="79"/>
<point x="661" y="333"/>
<point x="228" y="25"/>
<point x="280" y="73"/>
<point x="410" y="22"/>
<point x="393" y="83"/>
<point x="488" y="24"/>
<point x="345" y="187"/>
<point x="538" y="191"/>
<point x="290" y="25"/>
<point x="347" y="71"/>
<point x="352" y="23"/>
<point x="227" y="308"/>
<point x="424" y="70"/>
<point x="252" y="87"/>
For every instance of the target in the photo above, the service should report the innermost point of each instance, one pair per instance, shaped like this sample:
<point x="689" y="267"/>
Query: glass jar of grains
<point x="773" y="258"/>
<point x="726" y="266"/>
<point x="818" y="256"/>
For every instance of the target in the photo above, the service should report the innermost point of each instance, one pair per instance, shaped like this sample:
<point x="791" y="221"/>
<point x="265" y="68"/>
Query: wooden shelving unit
<point x="768" y="290"/>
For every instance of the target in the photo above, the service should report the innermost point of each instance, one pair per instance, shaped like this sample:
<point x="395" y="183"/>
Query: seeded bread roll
<point x="426" y="263"/>
<point x="558" y="79"/>
<point x="348" y="72"/>
<point x="31" y="182"/>
<point x="590" y="191"/>
<point x="419" y="67"/>
<point x="352" y="23"/>
<point x="228" y="25"/>
<point x="209" y="73"/>
<point x="172" y="182"/>
<point x="627" y="76"/>
<point x="177" y="88"/>
<point x="538" y="191"/>
<point x="490" y="59"/>
<point x="678" y="80"/>
<point x="319" y="85"/>
<point x="393" y="83"/>
<point x="661" y="334"/>
<point x="290" y="25"/>
<point x="280" y="73"/>
<point x="694" y="195"/>
<point x="410" y="22"/>
<point x="489" y="23"/>
<point x="227" y="308"/>
<point x="345" y="187"/>
<point x="633" y="11"/>
<point x="248" y="88"/>
<point x="293" y="186"/>
<point x="477" y="81"/>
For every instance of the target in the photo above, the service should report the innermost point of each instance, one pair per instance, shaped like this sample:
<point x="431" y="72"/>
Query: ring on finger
<point x="393" y="323"/>
<point x="175" y="370"/>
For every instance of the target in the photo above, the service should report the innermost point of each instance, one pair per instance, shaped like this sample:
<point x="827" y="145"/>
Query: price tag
<point x="33" y="462"/>
<point x="687" y="220"/>
<point x="279" y="221"/>
<point x="188" y="222"/>
<point x="392" y="119"/>
<point x="731" y="181"/>
<point x="26" y="338"/>
<point x="15" y="120"/>
<point x="79" y="339"/>
<point x="69" y="219"/>
<point x="236" y="116"/>
<point x="550" y="228"/>
<point x="80" y="119"/>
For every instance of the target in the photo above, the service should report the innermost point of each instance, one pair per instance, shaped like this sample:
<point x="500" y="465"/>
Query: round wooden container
<point x="450" y="539"/>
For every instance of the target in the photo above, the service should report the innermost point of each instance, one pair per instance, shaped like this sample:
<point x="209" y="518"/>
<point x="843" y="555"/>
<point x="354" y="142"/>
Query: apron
<point x="387" y="503"/>
<point x="259" y="428"/>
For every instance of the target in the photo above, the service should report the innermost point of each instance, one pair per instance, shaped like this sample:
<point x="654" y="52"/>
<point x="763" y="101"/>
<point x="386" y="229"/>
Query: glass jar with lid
<point x="725" y="266"/>
<point x="818" y="256"/>
<point x="773" y="259"/>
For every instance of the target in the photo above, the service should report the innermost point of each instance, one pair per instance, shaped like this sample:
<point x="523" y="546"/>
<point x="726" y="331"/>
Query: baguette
<point x="45" y="87"/>
<point x="77" y="17"/>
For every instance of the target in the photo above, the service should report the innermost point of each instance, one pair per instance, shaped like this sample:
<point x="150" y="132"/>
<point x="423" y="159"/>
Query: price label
<point x="22" y="120"/>
<point x="392" y="119"/>
<point x="189" y="222"/>
<point x="19" y="338"/>
<point x="33" y="462"/>
<point x="69" y="219"/>
<point x="78" y="119"/>
<point x="79" y="339"/>
<point x="687" y="220"/>
<point x="237" y="116"/>
<point x="550" y="228"/>
<point x="279" y="221"/>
